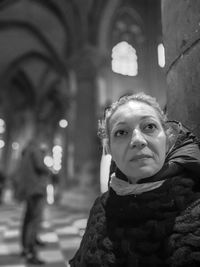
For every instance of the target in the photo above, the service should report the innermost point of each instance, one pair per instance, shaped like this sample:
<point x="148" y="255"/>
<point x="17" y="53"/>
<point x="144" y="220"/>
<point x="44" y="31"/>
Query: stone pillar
<point x="181" y="33"/>
<point x="86" y="151"/>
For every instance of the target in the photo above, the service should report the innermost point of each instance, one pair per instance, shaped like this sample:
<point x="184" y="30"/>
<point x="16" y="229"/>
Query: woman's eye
<point x="120" y="133"/>
<point x="150" y="127"/>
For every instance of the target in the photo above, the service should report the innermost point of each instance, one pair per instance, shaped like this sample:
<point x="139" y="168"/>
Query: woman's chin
<point x="142" y="173"/>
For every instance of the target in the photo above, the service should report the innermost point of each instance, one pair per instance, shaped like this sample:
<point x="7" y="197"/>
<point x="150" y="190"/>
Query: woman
<point x="150" y="215"/>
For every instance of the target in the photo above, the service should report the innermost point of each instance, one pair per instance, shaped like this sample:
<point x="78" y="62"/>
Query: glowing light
<point x="63" y="123"/>
<point x="50" y="194"/>
<point x="2" y="126"/>
<point x="57" y="149"/>
<point x="15" y="146"/>
<point x="2" y="129"/>
<point x="161" y="55"/>
<point x="2" y="122"/>
<point x="57" y="157"/>
<point x="48" y="161"/>
<point x="2" y="144"/>
<point x="124" y="59"/>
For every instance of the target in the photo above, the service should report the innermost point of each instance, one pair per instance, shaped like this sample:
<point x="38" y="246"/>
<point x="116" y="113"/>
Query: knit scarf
<point x="158" y="227"/>
<point x="123" y="188"/>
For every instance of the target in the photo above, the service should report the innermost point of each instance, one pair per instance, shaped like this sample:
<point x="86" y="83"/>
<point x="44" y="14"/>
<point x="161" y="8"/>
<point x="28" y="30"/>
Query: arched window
<point x="124" y="59"/>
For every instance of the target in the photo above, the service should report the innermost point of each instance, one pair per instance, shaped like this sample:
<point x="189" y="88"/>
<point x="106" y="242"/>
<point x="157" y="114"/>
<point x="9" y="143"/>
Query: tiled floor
<point x="62" y="228"/>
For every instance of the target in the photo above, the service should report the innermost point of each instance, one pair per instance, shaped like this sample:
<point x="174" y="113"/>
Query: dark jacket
<point x="32" y="176"/>
<point x="160" y="227"/>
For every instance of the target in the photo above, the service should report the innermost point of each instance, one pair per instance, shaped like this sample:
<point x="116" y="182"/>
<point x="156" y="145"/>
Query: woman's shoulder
<point x="97" y="211"/>
<point x="100" y="202"/>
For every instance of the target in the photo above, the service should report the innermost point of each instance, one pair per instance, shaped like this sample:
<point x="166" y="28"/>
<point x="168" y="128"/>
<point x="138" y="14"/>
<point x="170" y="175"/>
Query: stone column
<point x="181" y="32"/>
<point x="86" y="146"/>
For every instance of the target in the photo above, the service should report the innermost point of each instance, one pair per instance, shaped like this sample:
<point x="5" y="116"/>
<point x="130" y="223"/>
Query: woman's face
<point x="138" y="142"/>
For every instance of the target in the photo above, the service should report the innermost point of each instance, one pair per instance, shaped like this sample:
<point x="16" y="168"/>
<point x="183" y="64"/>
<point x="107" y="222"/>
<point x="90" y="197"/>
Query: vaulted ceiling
<point x="37" y="40"/>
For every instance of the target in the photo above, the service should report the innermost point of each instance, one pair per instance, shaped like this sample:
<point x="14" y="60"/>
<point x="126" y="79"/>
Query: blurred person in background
<point x="150" y="215"/>
<point x="33" y="179"/>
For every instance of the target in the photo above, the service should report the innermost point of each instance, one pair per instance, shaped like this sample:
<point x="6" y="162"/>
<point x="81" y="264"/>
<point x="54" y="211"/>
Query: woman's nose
<point x="137" y="139"/>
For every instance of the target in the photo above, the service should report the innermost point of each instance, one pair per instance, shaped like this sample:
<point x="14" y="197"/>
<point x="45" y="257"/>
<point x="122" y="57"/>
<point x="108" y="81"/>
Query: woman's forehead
<point x="133" y="109"/>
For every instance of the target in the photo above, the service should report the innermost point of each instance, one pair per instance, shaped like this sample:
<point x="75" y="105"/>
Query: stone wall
<point x="181" y="33"/>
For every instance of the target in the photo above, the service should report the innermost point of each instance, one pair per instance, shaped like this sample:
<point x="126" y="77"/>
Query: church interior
<point x="62" y="62"/>
<point x="59" y="70"/>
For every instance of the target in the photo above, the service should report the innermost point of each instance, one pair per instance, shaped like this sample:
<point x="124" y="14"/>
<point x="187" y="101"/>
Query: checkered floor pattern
<point x="62" y="229"/>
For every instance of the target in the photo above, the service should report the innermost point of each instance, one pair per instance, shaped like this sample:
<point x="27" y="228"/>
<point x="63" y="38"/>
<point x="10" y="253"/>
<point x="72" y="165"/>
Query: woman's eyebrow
<point x="124" y="122"/>
<point x="116" y="125"/>
<point x="148" y="117"/>
<point x="142" y="117"/>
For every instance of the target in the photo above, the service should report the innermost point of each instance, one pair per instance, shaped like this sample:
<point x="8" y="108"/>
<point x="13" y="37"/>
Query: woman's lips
<point x="138" y="157"/>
